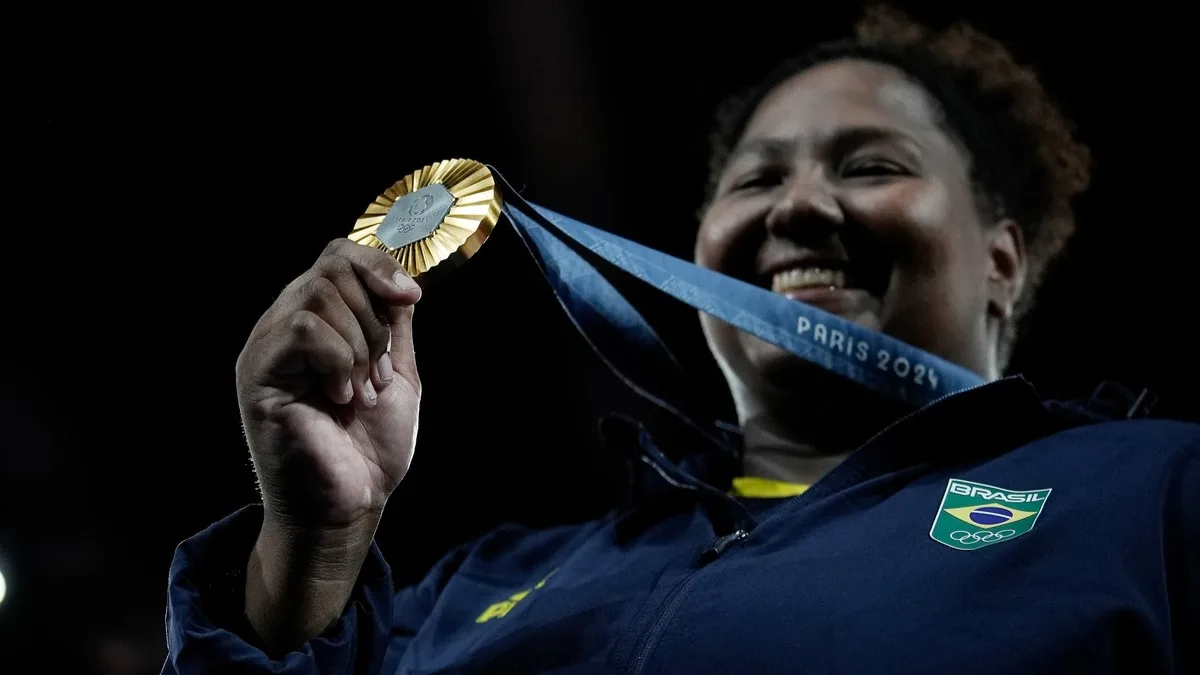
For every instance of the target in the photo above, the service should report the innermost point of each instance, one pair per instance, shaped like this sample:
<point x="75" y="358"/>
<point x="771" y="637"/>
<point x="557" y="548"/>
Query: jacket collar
<point x="972" y="424"/>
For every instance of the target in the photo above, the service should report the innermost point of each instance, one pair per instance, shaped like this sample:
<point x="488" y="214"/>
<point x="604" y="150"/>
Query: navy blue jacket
<point x="1083" y="555"/>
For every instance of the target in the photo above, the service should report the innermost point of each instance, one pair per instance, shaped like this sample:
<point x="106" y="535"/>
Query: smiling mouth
<point x="832" y="284"/>
<point x="807" y="278"/>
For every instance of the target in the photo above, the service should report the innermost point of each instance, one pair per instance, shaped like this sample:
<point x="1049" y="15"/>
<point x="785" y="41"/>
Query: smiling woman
<point x="913" y="183"/>
<point x="952" y="111"/>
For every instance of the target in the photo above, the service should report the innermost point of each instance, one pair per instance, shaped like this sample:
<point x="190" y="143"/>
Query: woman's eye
<point x="757" y="180"/>
<point x="873" y="167"/>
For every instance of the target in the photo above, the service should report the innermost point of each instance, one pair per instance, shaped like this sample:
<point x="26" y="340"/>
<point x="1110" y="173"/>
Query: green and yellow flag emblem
<point x="975" y="515"/>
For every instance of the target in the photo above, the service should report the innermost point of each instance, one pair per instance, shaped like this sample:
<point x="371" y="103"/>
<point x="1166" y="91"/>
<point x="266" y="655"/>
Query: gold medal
<point x="435" y="217"/>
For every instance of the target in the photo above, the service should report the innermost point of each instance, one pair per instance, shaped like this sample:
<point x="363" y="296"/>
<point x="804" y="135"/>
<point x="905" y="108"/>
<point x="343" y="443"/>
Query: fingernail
<point x="348" y="392"/>
<point x="404" y="281"/>
<point x="369" y="390"/>
<point x="383" y="368"/>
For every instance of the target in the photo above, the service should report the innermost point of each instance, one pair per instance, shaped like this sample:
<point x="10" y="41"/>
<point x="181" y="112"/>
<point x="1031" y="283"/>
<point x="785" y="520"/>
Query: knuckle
<point x="339" y="266"/>
<point x="333" y="264"/>
<point x="304" y="323"/>
<point x="385" y="264"/>
<point x="320" y="289"/>
<point x="334" y="246"/>
<point x="372" y="259"/>
<point x="241" y="366"/>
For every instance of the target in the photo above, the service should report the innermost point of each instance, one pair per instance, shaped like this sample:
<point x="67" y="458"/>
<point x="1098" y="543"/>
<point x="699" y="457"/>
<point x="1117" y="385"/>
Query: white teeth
<point x="807" y="277"/>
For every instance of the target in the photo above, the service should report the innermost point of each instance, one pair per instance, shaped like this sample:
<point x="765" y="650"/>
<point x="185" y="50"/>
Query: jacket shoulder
<point x="1150" y="436"/>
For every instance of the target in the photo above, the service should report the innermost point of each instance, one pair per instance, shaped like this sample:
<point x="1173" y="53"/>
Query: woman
<point x="915" y="184"/>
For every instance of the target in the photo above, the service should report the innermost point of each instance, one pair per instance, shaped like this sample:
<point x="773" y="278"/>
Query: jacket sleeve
<point x="207" y="632"/>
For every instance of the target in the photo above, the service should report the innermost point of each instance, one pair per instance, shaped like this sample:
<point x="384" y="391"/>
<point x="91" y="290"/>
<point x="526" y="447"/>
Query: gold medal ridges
<point x="467" y="225"/>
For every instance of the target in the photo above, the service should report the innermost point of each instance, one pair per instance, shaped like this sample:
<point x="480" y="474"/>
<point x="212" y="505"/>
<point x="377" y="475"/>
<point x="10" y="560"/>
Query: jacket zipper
<point x="650" y="639"/>
<point x="709" y="556"/>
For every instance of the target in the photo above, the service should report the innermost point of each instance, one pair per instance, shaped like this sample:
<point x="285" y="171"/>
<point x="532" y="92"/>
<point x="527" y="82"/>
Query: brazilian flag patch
<point x="975" y="515"/>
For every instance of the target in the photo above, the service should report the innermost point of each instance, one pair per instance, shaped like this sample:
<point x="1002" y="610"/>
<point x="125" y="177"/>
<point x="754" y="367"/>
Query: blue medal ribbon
<point x="627" y="343"/>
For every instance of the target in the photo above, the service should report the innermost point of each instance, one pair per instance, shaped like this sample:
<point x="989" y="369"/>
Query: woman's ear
<point x="1007" y="267"/>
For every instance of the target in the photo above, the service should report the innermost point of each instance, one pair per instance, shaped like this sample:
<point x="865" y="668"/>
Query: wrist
<point x="328" y="553"/>
<point x="299" y="580"/>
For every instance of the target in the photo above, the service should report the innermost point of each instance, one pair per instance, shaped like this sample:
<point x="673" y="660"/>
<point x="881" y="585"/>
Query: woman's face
<point x="845" y="193"/>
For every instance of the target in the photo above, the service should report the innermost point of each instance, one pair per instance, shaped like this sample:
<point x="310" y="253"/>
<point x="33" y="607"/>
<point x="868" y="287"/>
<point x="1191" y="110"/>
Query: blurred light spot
<point x="3" y="588"/>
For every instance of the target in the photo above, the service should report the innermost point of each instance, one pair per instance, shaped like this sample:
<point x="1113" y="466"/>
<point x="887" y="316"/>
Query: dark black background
<point x="175" y="169"/>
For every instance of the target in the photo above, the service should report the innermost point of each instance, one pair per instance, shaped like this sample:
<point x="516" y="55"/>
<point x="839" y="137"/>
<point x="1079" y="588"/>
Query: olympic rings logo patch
<point x="964" y="537"/>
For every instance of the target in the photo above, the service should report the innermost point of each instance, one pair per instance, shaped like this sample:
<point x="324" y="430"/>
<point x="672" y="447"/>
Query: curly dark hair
<point x="1026" y="163"/>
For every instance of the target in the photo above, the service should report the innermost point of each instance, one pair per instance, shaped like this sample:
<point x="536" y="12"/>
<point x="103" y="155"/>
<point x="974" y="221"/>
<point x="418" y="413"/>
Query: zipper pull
<point x="718" y="547"/>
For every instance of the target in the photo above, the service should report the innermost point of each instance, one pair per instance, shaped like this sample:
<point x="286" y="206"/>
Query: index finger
<point x="382" y="274"/>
